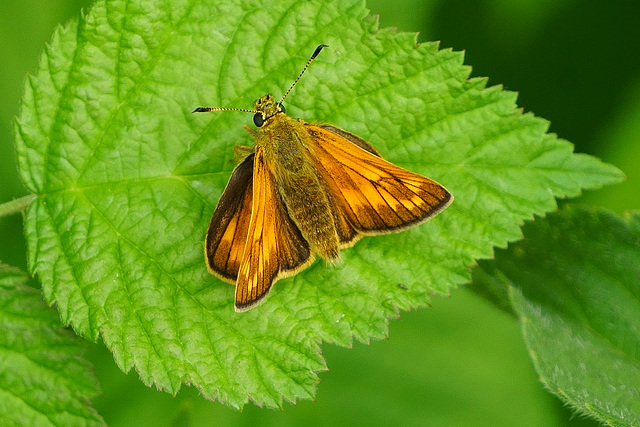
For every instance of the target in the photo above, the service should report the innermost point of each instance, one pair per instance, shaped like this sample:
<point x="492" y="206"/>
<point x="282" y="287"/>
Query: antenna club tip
<point x="318" y="49"/>
<point x="201" y="110"/>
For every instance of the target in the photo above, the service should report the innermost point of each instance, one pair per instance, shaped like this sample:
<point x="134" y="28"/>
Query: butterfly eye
<point x="282" y="109"/>
<point x="258" y="119"/>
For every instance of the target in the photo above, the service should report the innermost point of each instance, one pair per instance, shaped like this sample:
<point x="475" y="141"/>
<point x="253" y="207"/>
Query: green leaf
<point x="43" y="381"/>
<point x="573" y="283"/>
<point x="127" y="179"/>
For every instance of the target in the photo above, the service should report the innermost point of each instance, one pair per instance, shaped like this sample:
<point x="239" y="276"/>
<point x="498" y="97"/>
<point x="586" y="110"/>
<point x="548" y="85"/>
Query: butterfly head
<point x="266" y="107"/>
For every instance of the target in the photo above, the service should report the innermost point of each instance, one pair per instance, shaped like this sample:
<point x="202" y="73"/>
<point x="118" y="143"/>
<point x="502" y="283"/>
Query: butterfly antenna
<point x="208" y="109"/>
<point x="315" y="53"/>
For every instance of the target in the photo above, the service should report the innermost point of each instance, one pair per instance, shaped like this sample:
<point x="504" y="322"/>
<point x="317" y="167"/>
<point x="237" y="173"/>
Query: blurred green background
<point x="462" y="362"/>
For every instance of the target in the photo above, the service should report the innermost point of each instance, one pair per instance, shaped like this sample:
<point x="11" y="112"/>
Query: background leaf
<point x="573" y="282"/>
<point x="43" y="381"/>
<point x="127" y="179"/>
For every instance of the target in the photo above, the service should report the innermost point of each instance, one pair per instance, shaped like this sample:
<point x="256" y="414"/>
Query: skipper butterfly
<point x="305" y="189"/>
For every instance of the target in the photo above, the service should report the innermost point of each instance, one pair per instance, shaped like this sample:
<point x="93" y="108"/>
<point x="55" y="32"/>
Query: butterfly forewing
<point x="274" y="246"/>
<point x="374" y="195"/>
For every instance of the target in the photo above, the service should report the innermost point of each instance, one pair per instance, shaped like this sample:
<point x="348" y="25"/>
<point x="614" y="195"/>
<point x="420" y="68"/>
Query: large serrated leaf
<point x="43" y="381"/>
<point x="573" y="283"/>
<point x="127" y="179"/>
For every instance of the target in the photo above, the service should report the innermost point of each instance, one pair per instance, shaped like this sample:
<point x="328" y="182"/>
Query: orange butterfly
<point x="306" y="189"/>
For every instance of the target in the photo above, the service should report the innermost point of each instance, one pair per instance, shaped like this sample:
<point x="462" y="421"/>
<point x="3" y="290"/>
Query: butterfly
<point x="305" y="189"/>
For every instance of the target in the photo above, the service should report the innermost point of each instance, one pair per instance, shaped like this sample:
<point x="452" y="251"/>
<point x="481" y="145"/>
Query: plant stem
<point x="15" y="206"/>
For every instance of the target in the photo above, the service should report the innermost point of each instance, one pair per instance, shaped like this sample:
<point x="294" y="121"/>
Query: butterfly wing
<point x="372" y="194"/>
<point x="229" y="224"/>
<point x="274" y="246"/>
